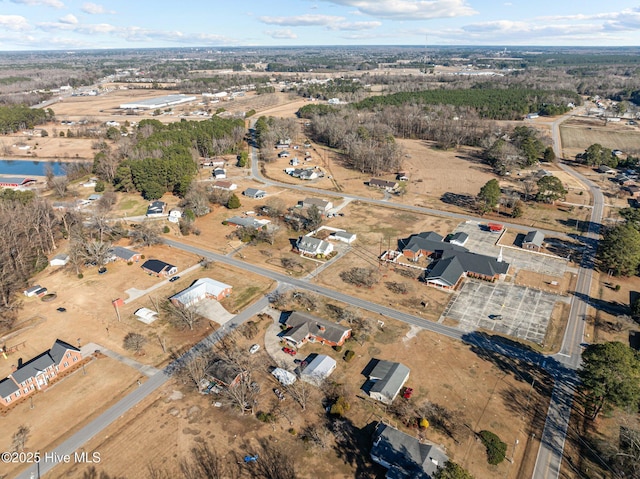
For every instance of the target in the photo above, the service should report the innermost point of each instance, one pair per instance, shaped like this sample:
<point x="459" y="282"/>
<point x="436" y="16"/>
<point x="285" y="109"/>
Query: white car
<point x="254" y="348"/>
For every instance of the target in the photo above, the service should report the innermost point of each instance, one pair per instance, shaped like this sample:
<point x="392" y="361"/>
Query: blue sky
<point x="70" y="24"/>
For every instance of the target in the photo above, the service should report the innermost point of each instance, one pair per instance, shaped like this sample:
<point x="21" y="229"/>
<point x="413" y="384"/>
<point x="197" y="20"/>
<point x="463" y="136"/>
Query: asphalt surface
<point x="549" y="459"/>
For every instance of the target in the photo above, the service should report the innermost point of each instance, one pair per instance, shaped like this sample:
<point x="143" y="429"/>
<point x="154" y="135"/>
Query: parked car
<point x="289" y="351"/>
<point x="61" y="310"/>
<point x="407" y="393"/>
<point x="254" y="349"/>
<point x="174" y="278"/>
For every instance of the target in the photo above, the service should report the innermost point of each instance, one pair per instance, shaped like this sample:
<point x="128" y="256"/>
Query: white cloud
<point x="410" y="9"/>
<point x="302" y="20"/>
<point x="95" y="9"/>
<point x="285" y="34"/>
<point x="14" y="22"/>
<point x="47" y="3"/>
<point x="70" y="19"/>
<point x="354" y="26"/>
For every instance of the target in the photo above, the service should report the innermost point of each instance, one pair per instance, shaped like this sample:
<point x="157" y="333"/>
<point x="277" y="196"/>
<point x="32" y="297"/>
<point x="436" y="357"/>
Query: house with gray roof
<point x="156" y="208"/>
<point x="124" y="254"/>
<point x="383" y="184"/>
<point x="343" y="236"/>
<point x="38" y="372"/>
<point x="243" y="222"/>
<point x="453" y="265"/>
<point x="427" y="243"/>
<point x="254" y="193"/>
<point x="388" y="379"/>
<point x="322" y="205"/>
<point x="310" y="246"/>
<point x="460" y="238"/>
<point x="534" y="240"/>
<point x="304" y="327"/>
<point x="405" y="456"/>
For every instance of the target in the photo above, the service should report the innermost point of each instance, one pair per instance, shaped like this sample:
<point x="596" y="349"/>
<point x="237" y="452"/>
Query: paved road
<point x="95" y="427"/>
<point x="554" y="434"/>
<point x="387" y="203"/>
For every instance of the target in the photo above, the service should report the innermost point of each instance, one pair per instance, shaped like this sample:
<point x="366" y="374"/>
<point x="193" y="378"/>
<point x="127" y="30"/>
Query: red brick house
<point x="35" y="374"/>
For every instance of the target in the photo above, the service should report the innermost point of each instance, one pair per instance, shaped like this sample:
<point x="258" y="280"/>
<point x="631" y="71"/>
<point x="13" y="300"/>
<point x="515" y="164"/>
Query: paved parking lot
<point x="484" y="242"/>
<point x="517" y="311"/>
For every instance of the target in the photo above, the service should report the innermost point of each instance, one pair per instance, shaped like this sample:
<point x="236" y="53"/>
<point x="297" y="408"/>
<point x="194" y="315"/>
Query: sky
<point x="71" y="24"/>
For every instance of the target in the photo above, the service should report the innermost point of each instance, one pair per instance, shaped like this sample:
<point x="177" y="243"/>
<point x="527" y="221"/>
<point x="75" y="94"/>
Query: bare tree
<point x="194" y="368"/>
<point x="206" y="463"/>
<point x="134" y="342"/>
<point x="59" y="185"/>
<point x="275" y="462"/>
<point x="146" y="233"/>
<point x="244" y="394"/>
<point x="20" y="437"/>
<point x="181" y="316"/>
<point x="300" y="392"/>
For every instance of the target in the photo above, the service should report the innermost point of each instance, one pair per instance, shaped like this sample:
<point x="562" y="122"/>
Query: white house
<point x="322" y="205"/>
<point x="59" y="260"/>
<point x="146" y="315"/>
<point x="219" y="174"/>
<point x="174" y="215"/>
<point x="313" y="246"/>
<point x="343" y="236"/>
<point x="29" y="292"/>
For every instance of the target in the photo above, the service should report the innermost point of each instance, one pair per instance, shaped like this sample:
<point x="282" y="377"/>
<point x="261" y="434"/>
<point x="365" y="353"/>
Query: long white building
<point x="160" y="102"/>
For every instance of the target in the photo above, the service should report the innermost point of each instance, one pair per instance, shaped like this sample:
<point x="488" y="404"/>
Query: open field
<point x="68" y="404"/>
<point x="475" y="390"/>
<point x="578" y="133"/>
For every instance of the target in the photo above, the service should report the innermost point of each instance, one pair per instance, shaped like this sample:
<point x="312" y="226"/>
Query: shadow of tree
<point x="456" y="199"/>
<point x="610" y="307"/>
<point x="353" y="446"/>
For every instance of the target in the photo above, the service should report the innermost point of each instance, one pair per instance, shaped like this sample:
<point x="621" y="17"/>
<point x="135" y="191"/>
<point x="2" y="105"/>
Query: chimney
<point x="321" y="328"/>
<point x="19" y="363"/>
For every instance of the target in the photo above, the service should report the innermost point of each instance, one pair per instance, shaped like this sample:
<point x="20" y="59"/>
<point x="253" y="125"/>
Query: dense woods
<point x="164" y="158"/>
<point x="493" y="103"/>
<point x="19" y="117"/>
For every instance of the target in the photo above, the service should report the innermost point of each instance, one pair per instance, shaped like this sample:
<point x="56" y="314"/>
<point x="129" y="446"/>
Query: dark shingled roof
<point x="389" y="378"/>
<point x="157" y="266"/>
<point x="446" y="270"/>
<point x="534" y="237"/>
<point x="427" y="241"/>
<point x="7" y="387"/>
<point x="302" y="324"/>
<point x="49" y="358"/>
<point x="223" y="371"/>
<point x="408" y="457"/>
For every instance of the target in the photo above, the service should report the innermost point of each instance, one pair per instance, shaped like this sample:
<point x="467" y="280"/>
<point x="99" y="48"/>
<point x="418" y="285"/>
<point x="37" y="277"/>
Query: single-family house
<point x="225" y="373"/>
<point x="606" y="169"/>
<point x="343" y="236"/>
<point x="282" y="146"/>
<point x="219" y="173"/>
<point x="243" y="222"/>
<point x="124" y="254"/>
<point x="402" y="176"/>
<point x="60" y="259"/>
<point x="405" y="456"/>
<point x="284" y="154"/>
<point x="383" y="184"/>
<point x="322" y="205"/>
<point x="304" y="327"/>
<point x="305" y="174"/>
<point x="254" y="193"/>
<point x="459" y="239"/>
<point x="624" y="180"/>
<point x="37" y="373"/>
<point x="534" y="240"/>
<point x="146" y="315"/>
<point x="388" y="379"/>
<point x="634" y="190"/>
<point x="94" y="197"/>
<point x="156" y="209"/>
<point x="319" y="369"/>
<point x="542" y="173"/>
<point x="159" y="268"/>
<point x="225" y="185"/>
<point x="29" y="292"/>
<point x="199" y="290"/>
<point x="174" y="215"/>
<point x="310" y="246"/>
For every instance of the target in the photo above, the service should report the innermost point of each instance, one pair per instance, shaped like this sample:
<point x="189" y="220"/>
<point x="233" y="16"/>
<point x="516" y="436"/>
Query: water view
<point x="30" y="167"/>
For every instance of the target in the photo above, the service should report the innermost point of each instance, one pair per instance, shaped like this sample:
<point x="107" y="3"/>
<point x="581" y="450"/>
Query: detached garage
<point x="319" y="369"/>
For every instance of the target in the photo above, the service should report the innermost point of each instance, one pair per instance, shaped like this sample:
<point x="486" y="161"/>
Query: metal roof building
<point x="159" y="102"/>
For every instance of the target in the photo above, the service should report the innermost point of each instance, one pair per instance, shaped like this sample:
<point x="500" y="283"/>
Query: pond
<point x="30" y="167"/>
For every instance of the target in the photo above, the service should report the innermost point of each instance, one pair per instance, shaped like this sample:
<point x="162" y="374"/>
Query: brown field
<point x="65" y="406"/>
<point x="476" y="391"/>
<point x="579" y="133"/>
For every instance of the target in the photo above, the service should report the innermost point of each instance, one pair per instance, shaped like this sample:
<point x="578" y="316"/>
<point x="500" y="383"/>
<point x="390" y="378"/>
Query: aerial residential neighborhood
<point x="228" y="255"/>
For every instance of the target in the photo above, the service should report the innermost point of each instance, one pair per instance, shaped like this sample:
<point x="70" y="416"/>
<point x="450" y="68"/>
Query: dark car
<point x="61" y="310"/>
<point x="174" y="278"/>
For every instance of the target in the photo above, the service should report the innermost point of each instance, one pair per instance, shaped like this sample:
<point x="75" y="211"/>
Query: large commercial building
<point x="160" y="102"/>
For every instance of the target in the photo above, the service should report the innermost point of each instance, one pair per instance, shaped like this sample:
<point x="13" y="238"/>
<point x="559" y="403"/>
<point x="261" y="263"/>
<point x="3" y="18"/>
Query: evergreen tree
<point x="234" y="202"/>
<point x="619" y="250"/>
<point x="489" y="196"/>
<point x="550" y="189"/>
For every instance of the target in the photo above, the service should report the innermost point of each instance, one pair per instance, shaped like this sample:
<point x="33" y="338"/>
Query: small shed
<point x="59" y="260"/>
<point x="285" y="377"/>
<point x="146" y="315"/>
<point x="29" y="292"/>
<point x="319" y="369"/>
<point x="343" y="236"/>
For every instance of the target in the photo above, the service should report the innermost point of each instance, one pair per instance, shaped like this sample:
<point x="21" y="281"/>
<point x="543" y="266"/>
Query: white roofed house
<point x="319" y="369"/>
<point x="174" y="215"/>
<point x="199" y="290"/>
<point x="343" y="236"/>
<point x="59" y="260"/>
<point x="308" y="245"/>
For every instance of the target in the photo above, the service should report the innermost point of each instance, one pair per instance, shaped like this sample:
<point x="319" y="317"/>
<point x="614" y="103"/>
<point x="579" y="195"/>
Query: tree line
<point x="491" y="103"/>
<point x="20" y="117"/>
<point x="161" y="158"/>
